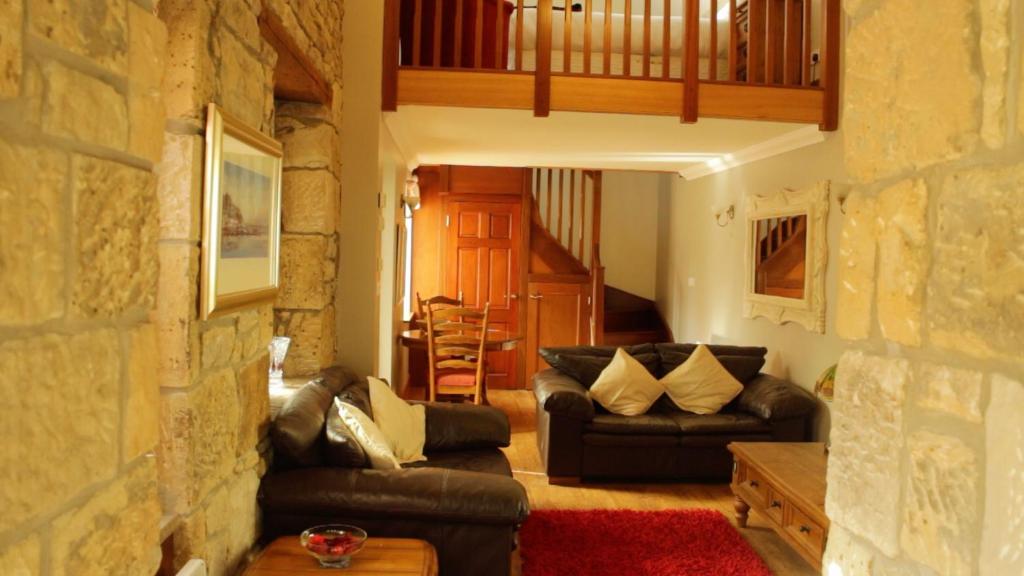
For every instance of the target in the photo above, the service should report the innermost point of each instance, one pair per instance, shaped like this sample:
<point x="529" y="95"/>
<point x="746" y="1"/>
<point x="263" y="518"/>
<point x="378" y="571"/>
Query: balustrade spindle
<point x="647" y="39"/>
<point x="666" y="41"/>
<point x="713" y="43"/>
<point x="588" y="18"/>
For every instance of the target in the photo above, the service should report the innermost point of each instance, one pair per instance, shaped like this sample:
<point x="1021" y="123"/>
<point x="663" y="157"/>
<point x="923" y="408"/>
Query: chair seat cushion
<point x="491" y="461"/>
<point x="457" y="379"/>
<point x="720" y="423"/>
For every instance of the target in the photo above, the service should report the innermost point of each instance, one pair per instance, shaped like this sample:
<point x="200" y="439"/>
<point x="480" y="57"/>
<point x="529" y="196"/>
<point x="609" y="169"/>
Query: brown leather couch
<point x="579" y="439"/>
<point x="462" y="500"/>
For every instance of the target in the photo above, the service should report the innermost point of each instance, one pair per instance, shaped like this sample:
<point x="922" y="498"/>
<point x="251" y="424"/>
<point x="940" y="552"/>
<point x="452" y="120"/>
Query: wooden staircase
<point x="630" y="319"/>
<point x="782" y="252"/>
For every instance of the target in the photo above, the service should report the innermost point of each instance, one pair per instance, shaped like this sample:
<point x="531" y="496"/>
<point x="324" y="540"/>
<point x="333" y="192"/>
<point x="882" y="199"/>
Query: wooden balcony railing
<point x="752" y="59"/>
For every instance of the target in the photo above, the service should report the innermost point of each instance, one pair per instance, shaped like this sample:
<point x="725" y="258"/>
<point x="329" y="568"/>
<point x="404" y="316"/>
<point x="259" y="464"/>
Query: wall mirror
<point x="786" y="256"/>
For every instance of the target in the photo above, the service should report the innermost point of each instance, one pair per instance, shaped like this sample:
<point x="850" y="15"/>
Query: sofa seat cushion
<point x="720" y="423"/>
<point x="646" y="424"/>
<point x="490" y="461"/>
<point x="634" y="440"/>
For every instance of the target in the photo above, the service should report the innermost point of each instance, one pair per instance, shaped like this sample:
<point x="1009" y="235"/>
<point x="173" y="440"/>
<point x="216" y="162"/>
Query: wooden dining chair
<point x="420" y="320"/>
<point x="456" y="351"/>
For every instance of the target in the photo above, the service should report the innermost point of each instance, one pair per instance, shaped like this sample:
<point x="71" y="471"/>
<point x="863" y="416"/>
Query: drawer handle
<point x="805" y="529"/>
<point x="776" y="504"/>
<point x="754" y="484"/>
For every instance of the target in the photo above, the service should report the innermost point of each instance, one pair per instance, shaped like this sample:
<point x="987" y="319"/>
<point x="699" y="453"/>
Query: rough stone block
<point x="147" y="55"/>
<point x="147" y="114"/>
<point x="903" y="260"/>
<point x="847" y="553"/>
<point x="10" y="48"/>
<point x="232" y="524"/>
<point x="867" y="438"/>
<point x="117" y="531"/>
<point x="179" y="188"/>
<point x="241" y="79"/>
<point x="22" y="558"/>
<point x="218" y="343"/>
<point x="96" y="30"/>
<point x="894" y="92"/>
<point x="190" y="538"/>
<point x="304" y="111"/>
<point x="1002" y="542"/>
<point x="241" y="18"/>
<point x="307" y="330"/>
<point x="940" y="513"/>
<point x="308" y="144"/>
<point x="995" y="43"/>
<point x="83" y="108"/>
<point x="175" y="314"/>
<point x="69" y="414"/>
<point x="32" y="218"/>
<point x="974" y="295"/>
<point x="142" y="407"/>
<point x="254" y="404"/>
<point x="249" y="341"/>
<point x="188" y="81"/>
<point x="115" y="213"/>
<point x="309" y="201"/>
<point x="857" y="249"/>
<point x="213" y="431"/>
<point x="950" y="390"/>
<point x="328" y="340"/>
<point x="302" y="275"/>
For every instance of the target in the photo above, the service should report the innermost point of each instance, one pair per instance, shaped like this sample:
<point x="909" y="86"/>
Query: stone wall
<point x="81" y="132"/>
<point x="214" y="409"/>
<point x="926" y="466"/>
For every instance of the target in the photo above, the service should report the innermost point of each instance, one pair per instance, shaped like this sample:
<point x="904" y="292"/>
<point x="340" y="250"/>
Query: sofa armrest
<point x="775" y="399"/>
<point x="563" y="395"/>
<point x="465" y="427"/>
<point x="433" y="494"/>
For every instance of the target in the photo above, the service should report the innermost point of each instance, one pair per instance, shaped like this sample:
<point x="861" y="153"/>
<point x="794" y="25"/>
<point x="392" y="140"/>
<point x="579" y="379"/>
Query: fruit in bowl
<point x="333" y="544"/>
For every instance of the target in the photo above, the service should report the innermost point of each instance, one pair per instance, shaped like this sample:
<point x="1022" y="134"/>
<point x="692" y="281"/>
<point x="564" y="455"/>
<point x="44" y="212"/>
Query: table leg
<point x="742" y="509"/>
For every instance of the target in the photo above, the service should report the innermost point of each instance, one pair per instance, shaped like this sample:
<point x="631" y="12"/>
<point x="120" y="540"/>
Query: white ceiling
<point x="485" y="137"/>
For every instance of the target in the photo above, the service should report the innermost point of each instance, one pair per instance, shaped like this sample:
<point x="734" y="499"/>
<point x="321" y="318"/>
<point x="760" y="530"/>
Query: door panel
<point x="558" y="315"/>
<point x="483" y="244"/>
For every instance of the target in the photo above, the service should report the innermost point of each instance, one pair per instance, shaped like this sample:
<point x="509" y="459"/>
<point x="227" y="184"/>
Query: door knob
<point x="536" y="297"/>
<point x="514" y="296"/>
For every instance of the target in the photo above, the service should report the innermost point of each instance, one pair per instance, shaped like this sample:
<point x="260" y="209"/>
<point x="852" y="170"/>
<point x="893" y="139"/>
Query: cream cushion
<point x="701" y="384"/>
<point x="369" y="436"/>
<point x="625" y="387"/>
<point x="404" y="425"/>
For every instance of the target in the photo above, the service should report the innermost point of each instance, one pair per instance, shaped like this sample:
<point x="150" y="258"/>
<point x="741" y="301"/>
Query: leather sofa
<point x="580" y="440"/>
<point x="462" y="499"/>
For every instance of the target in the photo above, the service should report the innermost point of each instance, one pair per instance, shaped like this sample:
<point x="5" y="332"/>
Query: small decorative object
<point x="241" y="215"/>
<point x="728" y="213"/>
<point x="824" y="388"/>
<point x="333" y="544"/>
<point x="278" y="350"/>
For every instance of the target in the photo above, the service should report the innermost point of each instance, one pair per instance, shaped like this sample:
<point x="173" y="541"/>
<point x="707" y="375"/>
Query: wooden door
<point x="482" y="265"/>
<point x="558" y="315"/>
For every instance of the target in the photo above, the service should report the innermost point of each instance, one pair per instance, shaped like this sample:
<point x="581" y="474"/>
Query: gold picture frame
<point x="241" y="215"/>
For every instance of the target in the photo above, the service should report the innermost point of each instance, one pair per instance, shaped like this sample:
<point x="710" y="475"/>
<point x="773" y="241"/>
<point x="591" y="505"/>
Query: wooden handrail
<point x="389" y="76"/>
<point x="596" y="298"/>
<point x="542" y="77"/>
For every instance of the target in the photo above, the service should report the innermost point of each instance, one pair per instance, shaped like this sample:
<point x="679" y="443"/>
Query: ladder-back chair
<point x="438" y="302"/>
<point x="456" y="351"/>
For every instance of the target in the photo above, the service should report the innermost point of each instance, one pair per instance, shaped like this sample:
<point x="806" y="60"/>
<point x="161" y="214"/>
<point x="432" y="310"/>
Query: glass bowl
<point x="333" y="544"/>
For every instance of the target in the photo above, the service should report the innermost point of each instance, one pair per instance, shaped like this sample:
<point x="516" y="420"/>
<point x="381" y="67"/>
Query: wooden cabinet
<point x="785" y="481"/>
<point x="558" y="315"/>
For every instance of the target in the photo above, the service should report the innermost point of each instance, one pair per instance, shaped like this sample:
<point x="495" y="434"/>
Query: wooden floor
<point x="527" y="469"/>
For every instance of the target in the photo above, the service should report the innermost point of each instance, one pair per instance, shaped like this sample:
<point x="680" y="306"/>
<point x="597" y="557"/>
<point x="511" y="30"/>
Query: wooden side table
<point x="285" y="557"/>
<point x="784" y="482"/>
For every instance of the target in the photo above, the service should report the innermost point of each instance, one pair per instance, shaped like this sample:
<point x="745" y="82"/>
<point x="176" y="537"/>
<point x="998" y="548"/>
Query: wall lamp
<point x="729" y="214"/>
<point x="411" y="196"/>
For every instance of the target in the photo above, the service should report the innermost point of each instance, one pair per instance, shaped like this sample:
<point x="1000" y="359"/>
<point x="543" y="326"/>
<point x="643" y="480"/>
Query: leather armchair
<point x="462" y="500"/>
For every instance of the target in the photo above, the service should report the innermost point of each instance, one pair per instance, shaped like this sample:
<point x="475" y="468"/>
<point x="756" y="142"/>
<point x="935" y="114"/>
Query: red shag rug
<point x="635" y="543"/>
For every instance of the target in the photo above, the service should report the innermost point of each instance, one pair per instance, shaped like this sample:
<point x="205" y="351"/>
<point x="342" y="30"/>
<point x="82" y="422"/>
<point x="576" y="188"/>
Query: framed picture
<point x="241" y="215"/>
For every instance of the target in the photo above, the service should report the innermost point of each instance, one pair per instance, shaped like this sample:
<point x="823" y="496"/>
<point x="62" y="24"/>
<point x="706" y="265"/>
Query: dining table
<point x="416" y="341"/>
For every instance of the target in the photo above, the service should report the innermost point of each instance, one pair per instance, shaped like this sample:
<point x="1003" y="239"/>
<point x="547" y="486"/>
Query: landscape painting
<point x="246" y="199"/>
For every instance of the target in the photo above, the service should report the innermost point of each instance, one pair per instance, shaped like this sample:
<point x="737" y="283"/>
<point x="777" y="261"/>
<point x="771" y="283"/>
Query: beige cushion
<point x="625" y="387"/>
<point x="369" y="436"/>
<point x="701" y="384"/>
<point x="403" y="424"/>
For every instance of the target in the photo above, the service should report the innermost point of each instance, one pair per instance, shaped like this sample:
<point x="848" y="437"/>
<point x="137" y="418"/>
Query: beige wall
<point x="629" y="229"/>
<point x="925" y="474"/>
<point x="693" y="249"/>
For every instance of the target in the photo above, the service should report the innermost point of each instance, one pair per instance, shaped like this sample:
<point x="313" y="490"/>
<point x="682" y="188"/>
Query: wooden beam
<point x="542" y="78"/>
<point x="691" y="80"/>
<point x="389" y="75"/>
<point x="295" y="75"/>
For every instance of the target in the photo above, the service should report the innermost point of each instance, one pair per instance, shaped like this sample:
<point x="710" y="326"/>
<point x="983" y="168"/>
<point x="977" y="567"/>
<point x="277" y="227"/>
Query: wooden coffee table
<point x="285" y="557"/>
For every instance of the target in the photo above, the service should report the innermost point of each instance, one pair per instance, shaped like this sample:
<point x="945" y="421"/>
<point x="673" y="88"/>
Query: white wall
<point x="692" y="248"/>
<point x="629" y="229"/>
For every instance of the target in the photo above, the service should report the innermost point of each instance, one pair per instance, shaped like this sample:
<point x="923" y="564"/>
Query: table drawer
<point x="806" y="531"/>
<point x="774" y="505"/>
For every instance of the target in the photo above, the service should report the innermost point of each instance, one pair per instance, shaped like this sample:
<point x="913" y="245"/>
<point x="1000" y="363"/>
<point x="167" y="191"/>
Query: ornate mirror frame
<point x="810" y="310"/>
